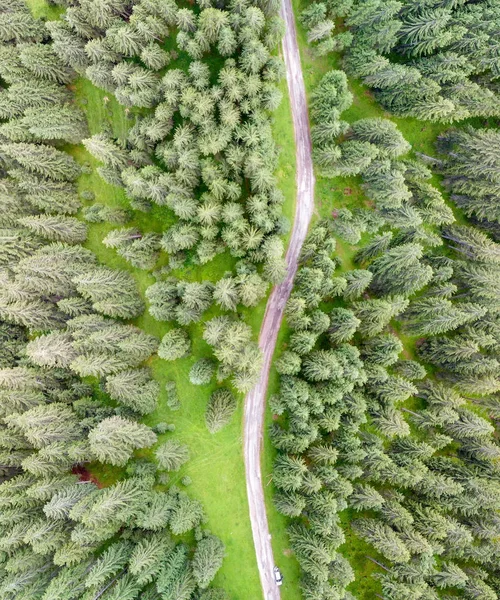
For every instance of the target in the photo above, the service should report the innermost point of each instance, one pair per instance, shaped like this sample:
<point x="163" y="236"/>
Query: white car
<point x="278" y="577"/>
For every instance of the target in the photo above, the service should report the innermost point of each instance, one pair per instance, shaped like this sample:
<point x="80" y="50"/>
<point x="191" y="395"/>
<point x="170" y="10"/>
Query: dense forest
<point x="387" y="408"/>
<point x="385" y="418"/>
<point x="433" y="60"/>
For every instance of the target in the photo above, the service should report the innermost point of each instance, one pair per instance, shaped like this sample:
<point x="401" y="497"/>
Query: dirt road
<point x="256" y="398"/>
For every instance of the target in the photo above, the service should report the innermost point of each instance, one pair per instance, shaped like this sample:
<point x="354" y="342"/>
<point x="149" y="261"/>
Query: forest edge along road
<point x="256" y="399"/>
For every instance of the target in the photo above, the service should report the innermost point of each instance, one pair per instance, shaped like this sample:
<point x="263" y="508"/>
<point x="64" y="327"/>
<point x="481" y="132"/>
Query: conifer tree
<point x="220" y="409"/>
<point x="202" y="371"/>
<point x="207" y="560"/>
<point x="172" y="455"/>
<point x="68" y="230"/>
<point x="42" y="160"/>
<point x="134" y="388"/>
<point x="114" y="439"/>
<point x="175" y="344"/>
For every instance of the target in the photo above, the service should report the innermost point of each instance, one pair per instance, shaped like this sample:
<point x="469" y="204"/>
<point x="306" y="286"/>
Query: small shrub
<point x="173" y="401"/>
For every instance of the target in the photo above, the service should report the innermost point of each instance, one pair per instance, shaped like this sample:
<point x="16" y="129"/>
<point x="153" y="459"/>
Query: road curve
<point x="255" y="400"/>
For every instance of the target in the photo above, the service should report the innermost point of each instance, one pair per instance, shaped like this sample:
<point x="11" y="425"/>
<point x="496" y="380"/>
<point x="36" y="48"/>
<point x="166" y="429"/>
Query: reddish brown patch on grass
<point x="85" y="475"/>
<point x="347" y="191"/>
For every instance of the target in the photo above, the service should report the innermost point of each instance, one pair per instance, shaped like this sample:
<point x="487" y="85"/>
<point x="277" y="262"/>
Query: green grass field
<point x="216" y="464"/>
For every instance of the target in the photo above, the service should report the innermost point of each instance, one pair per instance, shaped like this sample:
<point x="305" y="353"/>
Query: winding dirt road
<point x="256" y="399"/>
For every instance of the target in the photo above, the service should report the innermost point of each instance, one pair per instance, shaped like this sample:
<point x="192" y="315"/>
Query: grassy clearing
<point x="40" y="9"/>
<point x="216" y="466"/>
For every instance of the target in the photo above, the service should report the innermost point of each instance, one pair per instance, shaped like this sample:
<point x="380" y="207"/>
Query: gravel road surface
<point x="256" y="399"/>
